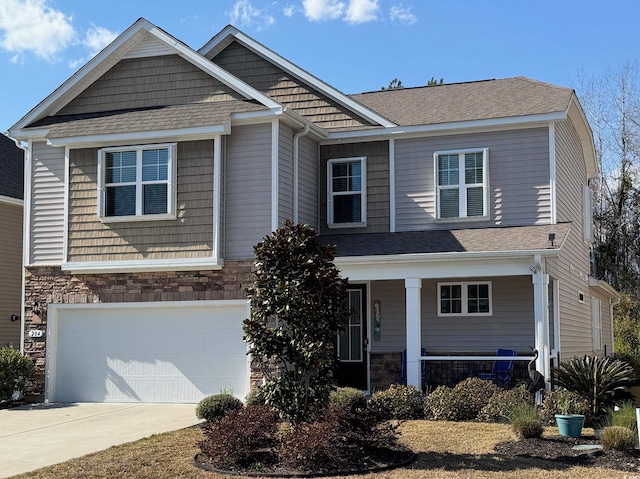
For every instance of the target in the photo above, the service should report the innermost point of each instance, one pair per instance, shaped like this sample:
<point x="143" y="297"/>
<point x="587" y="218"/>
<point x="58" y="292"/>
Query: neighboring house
<point x="11" y="205"/>
<point x="461" y="214"/>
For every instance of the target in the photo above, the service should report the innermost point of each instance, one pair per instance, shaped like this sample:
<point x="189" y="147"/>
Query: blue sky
<point x="355" y="45"/>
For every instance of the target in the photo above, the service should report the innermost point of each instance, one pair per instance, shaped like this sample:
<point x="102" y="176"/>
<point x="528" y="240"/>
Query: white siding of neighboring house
<point x="519" y="191"/>
<point x="247" y="202"/>
<point x="571" y="268"/>
<point x="46" y="219"/>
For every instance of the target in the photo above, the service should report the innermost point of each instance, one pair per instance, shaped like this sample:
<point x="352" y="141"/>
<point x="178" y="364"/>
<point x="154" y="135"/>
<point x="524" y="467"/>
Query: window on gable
<point x="137" y="183"/>
<point x="464" y="299"/>
<point x="461" y="184"/>
<point x="346" y="192"/>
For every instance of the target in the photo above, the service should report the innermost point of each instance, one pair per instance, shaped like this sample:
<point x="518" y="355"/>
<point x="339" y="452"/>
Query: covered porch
<point x="452" y="310"/>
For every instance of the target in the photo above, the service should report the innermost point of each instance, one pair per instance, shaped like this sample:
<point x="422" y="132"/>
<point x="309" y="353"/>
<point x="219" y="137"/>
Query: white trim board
<point x="146" y="265"/>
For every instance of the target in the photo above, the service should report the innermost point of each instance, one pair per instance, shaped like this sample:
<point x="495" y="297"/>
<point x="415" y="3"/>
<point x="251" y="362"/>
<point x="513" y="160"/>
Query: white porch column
<point x="541" y="319"/>
<point x="412" y="289"/>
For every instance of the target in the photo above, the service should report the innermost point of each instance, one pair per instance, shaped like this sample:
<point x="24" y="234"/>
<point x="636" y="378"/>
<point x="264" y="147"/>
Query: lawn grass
<point x="445" y="450"/>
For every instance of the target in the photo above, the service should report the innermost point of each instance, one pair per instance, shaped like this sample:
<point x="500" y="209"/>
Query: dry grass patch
<point x="445" y="450"/>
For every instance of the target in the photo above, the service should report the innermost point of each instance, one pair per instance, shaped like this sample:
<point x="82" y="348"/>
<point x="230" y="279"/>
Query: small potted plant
<point x="569" y="421"/>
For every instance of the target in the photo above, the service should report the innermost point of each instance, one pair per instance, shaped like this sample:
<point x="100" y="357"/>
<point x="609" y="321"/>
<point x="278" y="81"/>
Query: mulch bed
<point x="375" y="461"/>
<point x="560" y="449"/>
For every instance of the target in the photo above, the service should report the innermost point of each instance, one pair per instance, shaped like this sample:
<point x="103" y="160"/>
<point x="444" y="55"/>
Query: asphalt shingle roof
<point x="508" y="97"/>
<point x="497" y="239"/>
<point x="11" y="169"/>
<point x="145" y="119"/>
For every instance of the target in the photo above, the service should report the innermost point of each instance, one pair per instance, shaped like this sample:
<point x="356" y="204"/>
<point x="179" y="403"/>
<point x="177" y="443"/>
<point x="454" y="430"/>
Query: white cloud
<point x="317" y="10"/>
<point x="34" y="26"/>
<point x="289" y="10"/>
<point x="97" y="38"/>
<point x="402" y="15"/>
<point x="361" y="11"/>
<point x="245" y="14"/>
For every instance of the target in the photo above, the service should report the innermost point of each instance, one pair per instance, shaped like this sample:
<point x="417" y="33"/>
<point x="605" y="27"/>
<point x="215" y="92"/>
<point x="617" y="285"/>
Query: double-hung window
<point x="346" y="192"/>
<point x="464" y="299"/>
<point x="137" y="182"/>
<point x="461" y="183"/>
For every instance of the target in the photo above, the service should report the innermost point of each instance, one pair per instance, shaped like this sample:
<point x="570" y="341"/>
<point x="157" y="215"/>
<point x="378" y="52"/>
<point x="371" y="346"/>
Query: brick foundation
<point x="46" y="285"/>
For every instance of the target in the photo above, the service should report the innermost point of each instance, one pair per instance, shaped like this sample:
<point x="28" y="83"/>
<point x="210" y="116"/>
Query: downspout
<point x="296" y="140"/>
<point x="26" y="244"/>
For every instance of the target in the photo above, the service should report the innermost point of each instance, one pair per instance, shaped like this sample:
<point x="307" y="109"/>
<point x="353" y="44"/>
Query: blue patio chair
<point x="423" y="365"/>
<point x="502" y="370"/>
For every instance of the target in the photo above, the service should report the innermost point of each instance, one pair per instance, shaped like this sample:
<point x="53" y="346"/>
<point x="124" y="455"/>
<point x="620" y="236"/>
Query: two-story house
<point x="461" y="215"/>
<point x="11" y="204"/>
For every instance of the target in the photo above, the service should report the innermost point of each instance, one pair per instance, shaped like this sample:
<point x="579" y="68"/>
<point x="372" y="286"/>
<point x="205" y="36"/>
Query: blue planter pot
<point x="570" y="425"/>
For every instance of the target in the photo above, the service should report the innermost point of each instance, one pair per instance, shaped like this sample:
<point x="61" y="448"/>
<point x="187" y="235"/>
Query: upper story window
<point x="461" y="184"/>
<point x="137" y="183"/>
<point x="347" y="192"/>
<point x="464" y="299"/>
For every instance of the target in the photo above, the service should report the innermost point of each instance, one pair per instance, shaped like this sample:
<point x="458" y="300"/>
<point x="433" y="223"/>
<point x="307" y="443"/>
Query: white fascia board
<point x="439" y="265"/>
<point x="30" y="134"/>
<point x="297" y="72"/>
<point x="146" y="265"/>
<point x="577" y="116"/>
<point x="11" y="201"/>
<point x="197" y="133"/>
<point x="604" y="286"/>
<point x="410" y="131"/>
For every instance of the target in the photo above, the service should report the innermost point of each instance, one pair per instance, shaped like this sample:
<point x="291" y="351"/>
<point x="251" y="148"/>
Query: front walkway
<point x="35" y="436"/>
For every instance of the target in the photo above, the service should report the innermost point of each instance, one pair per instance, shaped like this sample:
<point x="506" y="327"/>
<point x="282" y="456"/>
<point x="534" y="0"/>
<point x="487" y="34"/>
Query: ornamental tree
<point x="299" y="304"/>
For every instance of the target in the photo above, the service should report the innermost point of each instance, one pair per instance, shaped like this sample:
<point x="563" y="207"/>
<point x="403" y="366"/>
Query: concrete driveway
<point x="35" y="436"/>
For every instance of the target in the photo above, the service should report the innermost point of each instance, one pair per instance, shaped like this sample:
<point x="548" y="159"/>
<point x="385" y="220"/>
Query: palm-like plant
<point x="598" y="380"/>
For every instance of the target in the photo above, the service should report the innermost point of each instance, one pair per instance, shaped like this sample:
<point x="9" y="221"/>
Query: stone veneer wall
<point x="46" y="285"/>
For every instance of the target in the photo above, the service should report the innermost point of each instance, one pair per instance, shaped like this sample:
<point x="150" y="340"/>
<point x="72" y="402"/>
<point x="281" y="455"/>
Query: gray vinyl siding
<point x="571" y="268"/>
<point x="519" y="191"/>
<point x="511" y="324"/>
<point x="247" y="189"/>
<point x="149" y="82"/>
<point x="285" y="174"/>
<point x="46" y="220"/>
<point x="308" y="178"/>
<point x="10" y="273"/>
<point x="377" y="176"/>
<point x="188" y="236"/>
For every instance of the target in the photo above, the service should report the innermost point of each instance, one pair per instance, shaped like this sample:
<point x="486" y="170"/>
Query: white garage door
<point x="146" y="352"/>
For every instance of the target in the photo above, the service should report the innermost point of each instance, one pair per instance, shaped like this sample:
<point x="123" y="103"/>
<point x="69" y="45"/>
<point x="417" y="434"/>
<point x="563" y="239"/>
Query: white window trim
<point x="596" y="323"/>
<point x="171" y="184"/>
<point x="462" y="197"/>
<point x="363" y="193"/>
<point x="465" y="298"/>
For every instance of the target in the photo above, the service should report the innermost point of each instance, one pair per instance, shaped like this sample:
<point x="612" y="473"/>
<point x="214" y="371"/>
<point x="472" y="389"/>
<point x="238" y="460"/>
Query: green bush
<point x="245" y="437"/>
<point x="216" y="406"/>
<point x="398" y="402"/>
<point x="551" y="405"/>
<point x="441" y="405"/>
<point x="254" y="398"/>
<point x="525" y="421"/>
<point x="598" y="380"/>
<point x="625" y="416"/>
<point x="617" y="438"/>
<point x="17" y="373"/>
<point x="473" y="394"/>
<point x="351" y="398"/>
<point x="502" y="403"/>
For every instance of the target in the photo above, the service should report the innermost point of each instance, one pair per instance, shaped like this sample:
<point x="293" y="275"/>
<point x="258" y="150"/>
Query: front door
<point x="352" y="344"/>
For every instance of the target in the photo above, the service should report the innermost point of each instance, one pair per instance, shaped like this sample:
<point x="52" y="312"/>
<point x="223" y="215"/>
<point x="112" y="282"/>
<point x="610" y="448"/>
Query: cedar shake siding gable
<point x="149" y="82"/>
<point x="285" y="89"/>
<point x="518" y="179"/>
<point x="190" y="235"/>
